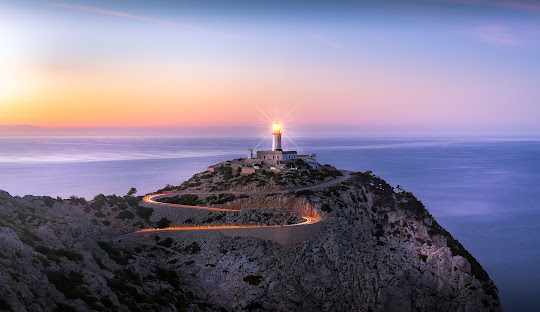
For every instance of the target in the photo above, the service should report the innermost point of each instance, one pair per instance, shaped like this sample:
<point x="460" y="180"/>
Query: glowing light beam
<point x="289" y="138"/>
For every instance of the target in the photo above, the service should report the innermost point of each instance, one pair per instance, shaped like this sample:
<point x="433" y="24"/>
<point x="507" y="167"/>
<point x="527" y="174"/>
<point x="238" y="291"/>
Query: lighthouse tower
<point x="276" y="141"/>
<point x="277" y="155"/>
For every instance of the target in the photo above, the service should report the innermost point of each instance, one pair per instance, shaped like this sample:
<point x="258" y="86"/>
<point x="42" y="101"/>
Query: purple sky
<point x="210" y="67"/>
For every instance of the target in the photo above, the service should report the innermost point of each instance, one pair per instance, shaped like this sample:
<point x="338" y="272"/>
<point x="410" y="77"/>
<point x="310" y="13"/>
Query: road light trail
<point x="150" y="199"/>
<point x="308" y="220"/>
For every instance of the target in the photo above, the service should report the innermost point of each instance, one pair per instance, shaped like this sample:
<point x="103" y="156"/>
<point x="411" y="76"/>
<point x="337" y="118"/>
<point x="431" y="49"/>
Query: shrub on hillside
<point x="4" y="305"/>
<point x="166" y="242"/>
<point x="144" y="212"/>
<point x="49" y="201"/>
<point x="68" y="284"/>
<point x="113" y="253"/>
<point x="253" y="279"/>
<point x="125" y="215"/>
<point x="163" y="223"/>
<point x="326" y="208"/>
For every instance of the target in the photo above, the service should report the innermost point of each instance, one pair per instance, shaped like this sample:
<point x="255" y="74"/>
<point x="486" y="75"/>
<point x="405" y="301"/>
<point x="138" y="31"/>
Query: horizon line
<point x="308" y="130"/>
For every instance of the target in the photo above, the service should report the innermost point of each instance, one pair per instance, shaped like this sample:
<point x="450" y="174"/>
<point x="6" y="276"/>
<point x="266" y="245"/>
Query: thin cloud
<point x="148" y="19"/>
<point x="515" y="34"/>
<point x="517" y="5"/>
<point x="526" y="6"/>
<point x="497" y="34"/>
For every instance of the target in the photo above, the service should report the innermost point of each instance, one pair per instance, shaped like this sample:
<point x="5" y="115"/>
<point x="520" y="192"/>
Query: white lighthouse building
<point x="276" y="137"/>
<point x="277" y="154"/>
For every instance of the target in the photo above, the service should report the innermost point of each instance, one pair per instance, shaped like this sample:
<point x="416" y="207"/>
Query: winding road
<point x="151" y="199"/>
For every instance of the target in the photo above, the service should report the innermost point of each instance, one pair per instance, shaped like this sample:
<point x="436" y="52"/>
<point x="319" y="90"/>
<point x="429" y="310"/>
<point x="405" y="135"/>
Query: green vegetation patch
<point x="168" y="276"/>
<point x="331" y="171"/>
<point x="61" y="307"/>
<point x="112" y="200"/>
<point x="187" y="199"/>
<point x="163" y="223"/>
<point x="28" y="237"/>
<point x="167" y="188"/>
<point x="220" y="199"/>
<point x="4" y="305"/>
<point x="326" y="208"/>
<point x="253" y="279"/>
<point x="128" y="275"/>
<point x="207" y="175"/>
<point x="409" y="202"/>
<point x="112" y="252"/>
<point x="226" y="171"/>
<point x="49" y="201"/>
<point x="98" y="202"/>
<point x="55" y="254"/>
<point x="68" y="284"/>
<point x="132" y="201"/>
<point x="245" y="180"/>
<point x="384" y="192"/>
<point x="131" y="192"/>
<point x="144" y="212"/>
<point x="126" y="293"/>
<point x="305" y="193"/>
<point x="74" y="200"/>
<point x="334" y="190"/>
<point x="166" y="242"/>
<point x="101" y="265"/>
<point x="125" y="215"/>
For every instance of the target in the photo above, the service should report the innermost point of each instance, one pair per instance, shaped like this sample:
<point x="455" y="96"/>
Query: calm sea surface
<point x="485" y="191"/>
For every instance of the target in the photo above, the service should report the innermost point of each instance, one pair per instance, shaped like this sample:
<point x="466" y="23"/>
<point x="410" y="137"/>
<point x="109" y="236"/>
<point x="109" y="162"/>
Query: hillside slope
<point x="378" y="250"/>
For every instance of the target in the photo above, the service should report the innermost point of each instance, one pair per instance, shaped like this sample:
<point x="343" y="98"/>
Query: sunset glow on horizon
<point x="436" y="65"/>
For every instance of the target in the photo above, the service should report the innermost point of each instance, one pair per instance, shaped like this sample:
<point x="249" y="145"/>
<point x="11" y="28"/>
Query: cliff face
<point x="378" y="250"/>
<point x="54" y="256"/>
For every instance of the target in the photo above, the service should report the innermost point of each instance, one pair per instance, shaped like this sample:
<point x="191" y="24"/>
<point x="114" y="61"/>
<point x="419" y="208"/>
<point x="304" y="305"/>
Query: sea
<point x="484" y="190"/>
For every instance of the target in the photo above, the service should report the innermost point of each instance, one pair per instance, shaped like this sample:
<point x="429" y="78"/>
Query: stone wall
<point x="298" y="205"/>
<point x="286" y="235"/>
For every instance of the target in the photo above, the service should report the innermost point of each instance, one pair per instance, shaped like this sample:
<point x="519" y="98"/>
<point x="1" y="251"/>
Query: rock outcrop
<point x="378" y="249"/>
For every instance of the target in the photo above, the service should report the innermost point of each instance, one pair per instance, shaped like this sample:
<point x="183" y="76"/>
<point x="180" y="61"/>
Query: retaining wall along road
<point x="286" y="235"/>
<point x="283" y="235"/>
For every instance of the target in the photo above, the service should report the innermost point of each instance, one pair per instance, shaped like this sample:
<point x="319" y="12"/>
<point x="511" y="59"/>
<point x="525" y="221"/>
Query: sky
<point x="339" y="67"/>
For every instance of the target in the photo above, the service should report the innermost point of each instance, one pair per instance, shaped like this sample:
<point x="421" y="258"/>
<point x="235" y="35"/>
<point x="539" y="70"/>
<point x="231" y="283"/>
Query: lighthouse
<point x="277" y="155"/>
<point x="276" y="141"/>
<point x="277" y="159"/>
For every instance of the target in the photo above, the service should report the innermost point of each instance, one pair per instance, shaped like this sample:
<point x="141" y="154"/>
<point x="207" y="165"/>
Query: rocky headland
<point x="376" y="249"/>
